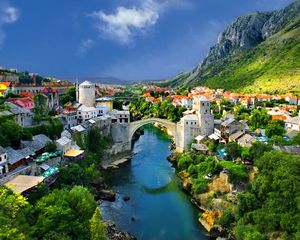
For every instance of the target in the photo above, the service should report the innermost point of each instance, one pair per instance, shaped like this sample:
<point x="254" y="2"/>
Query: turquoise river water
<point x="161" y="210"/>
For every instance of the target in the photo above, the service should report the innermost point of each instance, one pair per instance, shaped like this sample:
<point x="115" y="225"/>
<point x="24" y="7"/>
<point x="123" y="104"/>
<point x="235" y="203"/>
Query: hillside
<point x="256" y="53"/>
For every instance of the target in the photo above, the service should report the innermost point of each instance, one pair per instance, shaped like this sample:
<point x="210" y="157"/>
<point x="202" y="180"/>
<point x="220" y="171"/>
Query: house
<point x="187" y="102"/>
<point x="291" y="99"/>
<point x="293" y="123"/>
<point x="68" y="120"/>
<point x="64" y="144"/>
<point x="85" y="113"/>
<point x="230" y="126"/>
<point x="235" y="136"/>
<point x="25" y="102"/>
<point x="246" y="140"/>
<point x="18" y="158"/>
<point x="200" y="148"/>
<point x="22" y="116"/>
<point x="3" y="161"/>
<point x="119" y="116"/>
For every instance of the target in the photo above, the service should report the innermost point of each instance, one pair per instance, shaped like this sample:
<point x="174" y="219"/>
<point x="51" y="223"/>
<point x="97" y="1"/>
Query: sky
<point x="127" y="39"/>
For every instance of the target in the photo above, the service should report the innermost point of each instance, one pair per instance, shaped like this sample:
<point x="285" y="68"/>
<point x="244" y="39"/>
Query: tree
<point x="65" y="211"/>
<point x="70" y="96"/>
<point x="234" y="150"/>
<point x="258" y="149"/>
<point x="271" y="203"/>
<point x="11" y="214"/>
<point x="97" y="227"/>
<point x="275" y="128"/>
<point x="40" y="107"/>
<point x="259" y="118"/>
<point x="50" y="146"/>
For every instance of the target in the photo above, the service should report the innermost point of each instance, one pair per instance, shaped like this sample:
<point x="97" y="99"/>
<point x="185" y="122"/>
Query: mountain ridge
<point x="246" y="34"/>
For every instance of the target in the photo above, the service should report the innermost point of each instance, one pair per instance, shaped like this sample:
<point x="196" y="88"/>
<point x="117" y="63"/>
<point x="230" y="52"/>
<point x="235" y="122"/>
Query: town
<point x="45" y="121"/>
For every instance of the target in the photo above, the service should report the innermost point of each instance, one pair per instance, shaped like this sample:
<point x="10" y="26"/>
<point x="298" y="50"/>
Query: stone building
<point x="190" y="126"/>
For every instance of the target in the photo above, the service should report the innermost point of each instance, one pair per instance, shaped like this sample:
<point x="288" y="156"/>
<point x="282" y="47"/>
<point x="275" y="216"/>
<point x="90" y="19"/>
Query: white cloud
<point x="86" y="45"/>
<point x="8" y="15"/>
<point x="125" y="23"/>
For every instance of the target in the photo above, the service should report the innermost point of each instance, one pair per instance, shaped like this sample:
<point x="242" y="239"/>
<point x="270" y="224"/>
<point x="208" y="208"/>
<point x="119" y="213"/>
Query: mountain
<point x="259" y="52"/>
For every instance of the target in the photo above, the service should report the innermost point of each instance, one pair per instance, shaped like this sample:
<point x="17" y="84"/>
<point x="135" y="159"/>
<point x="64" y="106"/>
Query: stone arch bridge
<point x="134" y="126"/>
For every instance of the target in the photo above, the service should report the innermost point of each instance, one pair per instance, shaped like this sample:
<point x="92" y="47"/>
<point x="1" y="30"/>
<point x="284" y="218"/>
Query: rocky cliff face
<point x="245" y="32"/>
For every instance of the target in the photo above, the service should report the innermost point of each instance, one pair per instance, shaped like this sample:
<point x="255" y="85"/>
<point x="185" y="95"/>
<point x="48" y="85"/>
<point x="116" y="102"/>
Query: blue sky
<point x="128" y="39"/>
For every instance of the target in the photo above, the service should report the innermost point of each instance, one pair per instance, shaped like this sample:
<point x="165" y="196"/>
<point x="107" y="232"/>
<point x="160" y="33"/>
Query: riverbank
<point x="207" y="214"/>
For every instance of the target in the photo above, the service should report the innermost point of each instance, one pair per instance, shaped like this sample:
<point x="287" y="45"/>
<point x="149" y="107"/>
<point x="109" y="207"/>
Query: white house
<point x="293" y="123"/>
<point x="64" y="144"/>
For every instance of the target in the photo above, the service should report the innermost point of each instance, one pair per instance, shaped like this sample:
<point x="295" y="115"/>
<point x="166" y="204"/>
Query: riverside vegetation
<point x="253" y="203"/>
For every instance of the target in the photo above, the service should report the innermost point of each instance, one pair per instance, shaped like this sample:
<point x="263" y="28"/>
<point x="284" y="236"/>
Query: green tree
<point x="258" y="149"/>
<point x="50" y="146"/>
<point x="65" y="212"/>
<point x="275" y="129"/>
<point x="40" y="107"/>
<point x="260" y="118"/>
<point x="234" y="150"/>
<point x="97" y="227"/>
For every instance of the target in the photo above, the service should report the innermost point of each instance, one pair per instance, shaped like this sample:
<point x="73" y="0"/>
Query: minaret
<point x="77" y="90"/>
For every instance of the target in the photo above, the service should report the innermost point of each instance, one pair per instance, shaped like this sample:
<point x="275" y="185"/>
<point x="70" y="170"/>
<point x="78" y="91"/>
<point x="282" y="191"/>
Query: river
<point x="161" y="210"/>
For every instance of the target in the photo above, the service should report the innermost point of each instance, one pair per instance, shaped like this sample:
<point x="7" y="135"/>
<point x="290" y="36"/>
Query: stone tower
<point x="206" y="119"/>
<point x="87" y="92"/>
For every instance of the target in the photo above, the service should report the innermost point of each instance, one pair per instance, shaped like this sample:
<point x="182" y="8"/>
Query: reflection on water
<point x="159" y="207"/>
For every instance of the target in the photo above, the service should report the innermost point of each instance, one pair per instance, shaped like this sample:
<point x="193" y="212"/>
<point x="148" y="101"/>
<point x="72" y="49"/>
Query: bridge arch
<point x="134" y="126"/>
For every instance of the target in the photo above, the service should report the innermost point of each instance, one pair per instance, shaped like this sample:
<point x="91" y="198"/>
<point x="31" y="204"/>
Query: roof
<point x="236" y="135"/>
<point x="104" y="99"/>
<point x="246" y="140"/>
<point x="190" y="117"/>
<point x="14" y="156"/>
<point x="293" y="120"/>
<point x="63" y="141"/>
<point x="114" y="111"/>
<point x="199" y="147"/>
<point x="22" y="183"/>
<point x="86" y="83"/>
<point x="86" y="109"/>
<point x="203" y="99"/>
<point x="200" y="138"/>
<point x="214" y="137"/>
<point x="15" y="109"/>
<point x="228" y="122"/>
<point x="73" y="153"/>
<point x="78" y="128"/>
<point x="38" y="142"/>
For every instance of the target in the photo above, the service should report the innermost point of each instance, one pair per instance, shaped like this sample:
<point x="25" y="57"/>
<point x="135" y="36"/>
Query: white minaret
<point x="77" y="90"/>
<point x="206" y="119"/>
